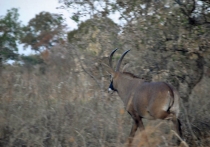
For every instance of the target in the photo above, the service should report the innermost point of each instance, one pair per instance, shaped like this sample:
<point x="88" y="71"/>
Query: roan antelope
<point x="149" y="100"/>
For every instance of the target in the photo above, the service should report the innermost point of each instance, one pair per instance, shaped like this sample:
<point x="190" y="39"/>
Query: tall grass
<point x="65" y="107"/>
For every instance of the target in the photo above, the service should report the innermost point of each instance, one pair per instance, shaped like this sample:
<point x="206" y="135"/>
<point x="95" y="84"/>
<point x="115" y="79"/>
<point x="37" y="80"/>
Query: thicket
<point x="66" y="107"/>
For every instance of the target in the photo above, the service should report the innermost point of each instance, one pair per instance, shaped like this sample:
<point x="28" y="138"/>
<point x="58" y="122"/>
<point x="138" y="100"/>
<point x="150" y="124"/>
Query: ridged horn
<point x="110" y="57"/>
<point x="120" y="60"/>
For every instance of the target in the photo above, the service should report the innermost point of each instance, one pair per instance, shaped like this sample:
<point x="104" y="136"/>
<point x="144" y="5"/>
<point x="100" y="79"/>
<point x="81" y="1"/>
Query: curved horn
<point x="120" y="60"/>
<point x="110" y="57"/>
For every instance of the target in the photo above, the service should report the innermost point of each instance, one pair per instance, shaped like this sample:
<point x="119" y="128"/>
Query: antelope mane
<point x="131" y="75"/>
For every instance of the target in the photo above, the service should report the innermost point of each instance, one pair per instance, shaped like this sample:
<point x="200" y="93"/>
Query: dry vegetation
<point x="65" y="107"/>
<point x="60" y="99"/>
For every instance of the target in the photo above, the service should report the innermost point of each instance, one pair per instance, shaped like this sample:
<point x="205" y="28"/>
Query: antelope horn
<point x="120" y="60"/>
<point x="110" y="57"/>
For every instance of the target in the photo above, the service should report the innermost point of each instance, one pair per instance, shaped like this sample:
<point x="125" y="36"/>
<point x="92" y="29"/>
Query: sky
<point x="29" y="8"/>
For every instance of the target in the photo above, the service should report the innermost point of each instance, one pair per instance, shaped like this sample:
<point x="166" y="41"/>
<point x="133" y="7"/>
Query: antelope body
<point x="149" y="100"/>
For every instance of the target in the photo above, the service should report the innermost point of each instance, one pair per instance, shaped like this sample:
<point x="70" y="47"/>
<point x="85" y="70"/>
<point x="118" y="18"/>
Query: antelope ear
<point x="124" y="67"/>
<point x="108" y="68"/>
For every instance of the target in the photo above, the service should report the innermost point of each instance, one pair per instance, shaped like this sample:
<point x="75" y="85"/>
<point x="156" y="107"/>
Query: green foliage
<point x="32" y="59"/>
<point x="71" y="35"/>
<point x="10" y="33"/>
<point x="75" y="18"/>
<point x="83" y="28"/>
<point x="90" y="24"/>
<point x="44" y="31"/>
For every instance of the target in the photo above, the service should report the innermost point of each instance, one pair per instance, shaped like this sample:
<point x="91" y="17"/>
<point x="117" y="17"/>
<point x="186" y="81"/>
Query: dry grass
<point x="59" y="109"/>
<point x="47" y="110"/>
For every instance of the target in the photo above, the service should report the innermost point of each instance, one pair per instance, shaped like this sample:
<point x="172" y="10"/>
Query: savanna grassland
<point x="54" y="105"/>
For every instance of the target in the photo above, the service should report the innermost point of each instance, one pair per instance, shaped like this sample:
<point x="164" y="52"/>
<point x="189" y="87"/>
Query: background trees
<point x="44" y="31"/>
<point x="170" y="38"/>
<point x="10" y="33"/>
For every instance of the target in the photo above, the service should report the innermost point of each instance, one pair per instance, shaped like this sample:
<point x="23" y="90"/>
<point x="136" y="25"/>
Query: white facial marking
<point x="110" y="90"/>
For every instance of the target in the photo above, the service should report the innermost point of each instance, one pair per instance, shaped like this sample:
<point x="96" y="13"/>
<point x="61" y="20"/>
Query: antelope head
<point x="115" y="73"/>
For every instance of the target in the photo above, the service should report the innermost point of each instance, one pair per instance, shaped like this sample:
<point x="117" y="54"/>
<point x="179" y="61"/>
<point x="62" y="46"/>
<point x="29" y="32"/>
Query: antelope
<point x="148" y="100"/>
